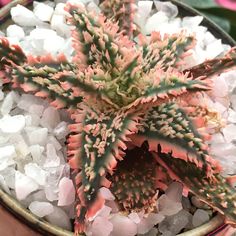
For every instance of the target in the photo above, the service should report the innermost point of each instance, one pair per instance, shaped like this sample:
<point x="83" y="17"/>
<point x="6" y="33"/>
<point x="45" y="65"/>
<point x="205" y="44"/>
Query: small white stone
<point x="9" y="176"/>
<point x="229" y="132"/>
<point x="50" y="118"/>
<point x="7" y="104"/>
<point x="174" y="191"/>
<point x="101" y="226"/>
<point x="106" y="194"/>
<point x="27" y="100"/>
<point x="58" y="24"/>
<point x="40" y="33"/>
<point x="24" y="185"/>
<point x="167" y="7"/>
<point x="144" y="10"/>
<point x="209" y="38"/>
<point x="38" y="136"/>
<point x="12" y="124"/>
<point x="134" y="217"/>
<point x="61" y="130"/>
<point x="147" y="223"/>
<point x="200" y="217"/>
<point x="60" y="218"/>
<point x="3" y="185"/>
<point x="60" y="9"/>
<point x="23" y="16"/>
<point x="192" y="21"/>
<point x="167" y="206"/>
<point x="36" y="109"/>
<point x="53" y="160"/>
<point x="43" y="11"/>
<point x="223" y="149"/>
<point x="36" y="152"/>
<point x="54" y="142"/>
<point x="66" y="192"/>
<point x="41" y="209"/>
<point x="33" y="171"/>
<point x="15" y="31"/>
<point x="21" y="147"/>
<point x="155" y="22"/>
<point x="232" y="116"/>
<point x="214" y="49"/>
<point x="53" y="44"/>
<point x="122" y="225"/>
<point x="7" y="153"/>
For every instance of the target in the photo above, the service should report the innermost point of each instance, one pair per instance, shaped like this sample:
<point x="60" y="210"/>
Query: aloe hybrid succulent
<point x="138" y="122"/>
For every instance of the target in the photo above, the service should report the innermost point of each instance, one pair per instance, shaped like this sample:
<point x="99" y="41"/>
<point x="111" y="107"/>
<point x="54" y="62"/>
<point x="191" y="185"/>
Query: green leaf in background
<point x="200" y="4"/>
<point x="220" y="21"/>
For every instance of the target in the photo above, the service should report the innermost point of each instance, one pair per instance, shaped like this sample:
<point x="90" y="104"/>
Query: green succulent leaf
<point x="169" y="126"/>
<point x="201" y="4"/>
<point x="98" y="141"/>
<point x="214" y="66"/>
<point x="214" y="190"/>
<point x="165" y="53"/>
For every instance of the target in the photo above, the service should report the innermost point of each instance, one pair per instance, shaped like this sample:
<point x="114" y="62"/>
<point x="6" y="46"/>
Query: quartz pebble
<point x="200" y="217"/>
<point x="66" y="192"/>
<point x="41" y="209"/>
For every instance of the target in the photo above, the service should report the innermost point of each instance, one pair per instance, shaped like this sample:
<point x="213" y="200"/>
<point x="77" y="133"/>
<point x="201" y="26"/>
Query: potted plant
<point x="137" y="117"/>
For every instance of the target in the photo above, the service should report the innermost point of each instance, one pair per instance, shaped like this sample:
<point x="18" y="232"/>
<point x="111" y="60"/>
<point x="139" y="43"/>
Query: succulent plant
<point x="138" y="122"/>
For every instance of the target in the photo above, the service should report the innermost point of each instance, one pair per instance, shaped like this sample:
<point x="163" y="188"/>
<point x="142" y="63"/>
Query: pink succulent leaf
<point x="4" y="2"/>
<point x="169" y="126"/>
<point x="96" y="143"/>
<point x="164" y="52"/>
<point x="230" y="4"/>
<point x="121" y="11"/>
<point x="213" y="190"/>
<point x="214" y="66"/>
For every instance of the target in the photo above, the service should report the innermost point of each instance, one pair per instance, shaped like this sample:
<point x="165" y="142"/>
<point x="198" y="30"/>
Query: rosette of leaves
<point x="138" y="123"/>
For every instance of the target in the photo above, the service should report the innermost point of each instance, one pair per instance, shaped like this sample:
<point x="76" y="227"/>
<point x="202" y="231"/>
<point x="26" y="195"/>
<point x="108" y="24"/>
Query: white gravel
<point x="32" y="133"/>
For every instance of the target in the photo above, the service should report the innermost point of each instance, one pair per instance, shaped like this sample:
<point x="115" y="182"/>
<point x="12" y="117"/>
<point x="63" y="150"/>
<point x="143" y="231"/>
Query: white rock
<point x="1" y="95"/>
<point x="53" y="160"/>
<point x="214" y="49"/>
<point x="33" y="171"/>
<point x="232" y="116"/>
<point x="152" y="232"/>
<point x="60" y="218"/>
<point x="15" y="31"/>
<point x="175" y="223"/>
<point x="191" y="21"/>
<point x="106" y="194"/>
<point x="200" y="217"/>
<point x="220" y="87"/>
<point x="40" y="33"/>
<point x="27" y="100"/>
<point x="217" y="138"/>
<point x="167" y="7"/>
<point x="36" y="152"/>
<point x="9" y="176"/>
<point x="155" y="22"/>
<point x="23" y="16"/>
<point x="147" y="223"/>
<point x="50" y="118"/>
<point x="41" y="209"/>
<point x="43" y="11"/>
<point x="2" y="34"/>
<point x="38" y="136"/>
<point x="58" y="24"/>
<point x="209" y="38"/>
<point x="122" y="225"/>
<point x="134" y="217"/>
<point x="7" y="153"/>
<point x="229" y="133"/>
<point x="53" y="44"/>
<point x="167" y="206"/>
<point x="12" y="124"/>
<point x="223" y="149"/>
<point x="60" y="9"/>
<point x="54" y="142"/>
<point x="24" y="185"/>
<point x="21" y="147"/>
<point x="144" y="10"/>
<point x="66" y="192"/>
<point x="174" y="191"/>
<point x="101" y="226"/>
<point x="36" y="109"/>
<point x="61" y="130"/>
<point x="3" y="185"/>
<point x="7" y="104"/>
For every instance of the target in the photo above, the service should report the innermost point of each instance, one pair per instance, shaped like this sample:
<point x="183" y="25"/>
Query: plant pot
<point x="46" y="228"/>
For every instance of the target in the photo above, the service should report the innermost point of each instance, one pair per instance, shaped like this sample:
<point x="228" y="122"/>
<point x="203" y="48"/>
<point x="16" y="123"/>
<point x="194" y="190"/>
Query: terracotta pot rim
<point x="45" y="227"/>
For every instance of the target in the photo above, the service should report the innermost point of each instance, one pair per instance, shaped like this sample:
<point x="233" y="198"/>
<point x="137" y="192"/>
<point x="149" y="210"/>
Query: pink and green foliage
<point x="121" y="94"/>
